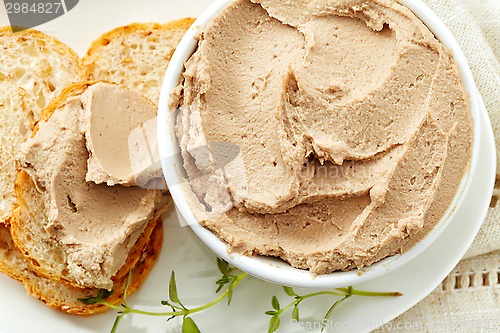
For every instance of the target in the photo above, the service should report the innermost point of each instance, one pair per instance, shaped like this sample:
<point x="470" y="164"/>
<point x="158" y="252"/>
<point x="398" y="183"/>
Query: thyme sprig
<point x="231" y="277"/>
<point x="344" y="293"/>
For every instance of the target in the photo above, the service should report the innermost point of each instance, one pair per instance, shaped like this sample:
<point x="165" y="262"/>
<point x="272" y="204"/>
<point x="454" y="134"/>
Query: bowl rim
<point x="274" y="269"/>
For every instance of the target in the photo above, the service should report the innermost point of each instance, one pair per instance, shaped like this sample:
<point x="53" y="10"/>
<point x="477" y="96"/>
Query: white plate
<point x="196" y="273"/>
<point x="194" y="263"/>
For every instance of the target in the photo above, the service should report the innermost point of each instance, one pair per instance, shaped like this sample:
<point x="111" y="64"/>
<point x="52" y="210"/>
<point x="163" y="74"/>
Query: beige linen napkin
<point x="468" y="300"/>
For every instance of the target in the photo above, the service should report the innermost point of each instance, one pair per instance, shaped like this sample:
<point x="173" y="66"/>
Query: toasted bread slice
<point x="135" y="55"/>
<point x="34" y="69"/>
<point x="29" y="221"/>
<point x="65" y="298"/>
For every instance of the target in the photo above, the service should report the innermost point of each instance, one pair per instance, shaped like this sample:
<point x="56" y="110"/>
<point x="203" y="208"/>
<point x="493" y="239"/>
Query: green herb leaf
<point x="295" y="312"/>
<point x="275" y="303"/>
<point x="274" y="323"/>
<point x="99" y="298"/>
<point x="189" y="326"/>
<point x="172" y="290"/>
<point x="103" y="293"/>
<point x="229" y="294"/>
<point x="289" y="291"/>
<point x="223" y="267"/>
<point x="271" y="313"/>
<point x="222" y="282"/>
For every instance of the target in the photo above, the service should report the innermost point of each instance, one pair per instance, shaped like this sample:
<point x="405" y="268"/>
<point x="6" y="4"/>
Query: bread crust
<point x="59" y="102"/>
<point x="139" y="53"/>
<point x="123" y="31"/>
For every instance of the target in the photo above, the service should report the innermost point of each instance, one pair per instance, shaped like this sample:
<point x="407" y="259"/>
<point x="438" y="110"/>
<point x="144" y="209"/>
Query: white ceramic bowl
<point x="272" y="269"/>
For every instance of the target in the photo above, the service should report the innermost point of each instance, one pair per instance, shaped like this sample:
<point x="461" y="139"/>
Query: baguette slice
<point x="135" y="55"/>
<point x="65" y="298"/>
<point x="34" y="69"/>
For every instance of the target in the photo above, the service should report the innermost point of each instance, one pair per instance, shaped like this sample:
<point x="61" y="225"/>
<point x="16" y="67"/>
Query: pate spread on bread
<point x="88" y="229"/>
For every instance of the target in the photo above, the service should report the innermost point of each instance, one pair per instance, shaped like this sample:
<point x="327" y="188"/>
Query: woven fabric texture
<point x="468" y="300"/>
